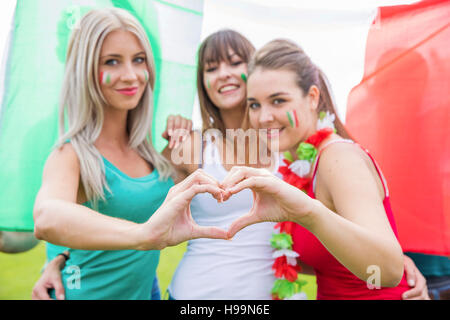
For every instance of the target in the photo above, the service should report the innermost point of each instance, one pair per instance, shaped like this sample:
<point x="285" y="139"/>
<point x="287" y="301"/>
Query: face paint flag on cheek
<point x="146" y="75"/>
<point x="293" y="119"/>
<point x="208" y="84"/>
<point x="244" y="77"/>
<point x="105" y="78"/>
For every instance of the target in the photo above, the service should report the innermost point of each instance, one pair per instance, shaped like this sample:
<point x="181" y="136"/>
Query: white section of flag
<point x="333" y="33"/>
<point x="178" y="41"/>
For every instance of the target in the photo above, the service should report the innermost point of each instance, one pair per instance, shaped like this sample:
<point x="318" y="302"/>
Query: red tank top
<point x="334" y="281"/>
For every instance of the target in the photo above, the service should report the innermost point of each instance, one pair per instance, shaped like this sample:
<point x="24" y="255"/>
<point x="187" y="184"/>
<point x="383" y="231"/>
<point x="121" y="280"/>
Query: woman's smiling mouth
<point x="128" y="91"/>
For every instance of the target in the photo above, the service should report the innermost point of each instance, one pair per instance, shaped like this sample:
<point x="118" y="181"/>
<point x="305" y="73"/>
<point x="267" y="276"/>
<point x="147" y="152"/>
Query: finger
<point x="173" y="139"/>
<point x="186" y="126"/>
<point x="241" y="223"/>
<point x="241" y="173"/>
<point x="410" y="294"/>
<point x="235" y="175"/>
<point x="169" y="130"/>
<point x="59" y="289"/>
<point x="410" y="271"/>
<point x="190" y="193"/>
<point x="254" y="183"/>
<point x="40" y="292"/>
<point x="418" y="291"/>
<point x="170" y="125"/>
<point x="181" y="133"/>
<point x="209" y="232"/>
<point x="177" y="122"/>
<point x="420" y="297"/>
<point x="198" y="177"/>
<point x="245" y="184"/>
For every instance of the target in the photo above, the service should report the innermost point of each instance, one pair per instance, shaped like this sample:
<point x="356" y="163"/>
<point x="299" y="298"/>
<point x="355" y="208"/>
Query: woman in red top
<point x="348" y="234"/>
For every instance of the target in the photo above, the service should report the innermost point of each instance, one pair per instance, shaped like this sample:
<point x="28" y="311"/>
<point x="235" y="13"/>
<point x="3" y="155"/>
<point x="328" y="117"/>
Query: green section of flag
<point x="291" y="120"/>
<point x="33" y="78"/>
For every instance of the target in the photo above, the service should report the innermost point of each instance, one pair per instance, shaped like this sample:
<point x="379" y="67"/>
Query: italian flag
<point x="388" y="63"/>
<point x="33" y="71"/>
<point x="292" y="117"/>
<point x="400" y="111"/>
<point x="105" y="78"/>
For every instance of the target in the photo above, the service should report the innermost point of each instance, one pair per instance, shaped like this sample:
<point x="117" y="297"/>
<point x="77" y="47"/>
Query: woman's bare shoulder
<point x="63" y="158"/>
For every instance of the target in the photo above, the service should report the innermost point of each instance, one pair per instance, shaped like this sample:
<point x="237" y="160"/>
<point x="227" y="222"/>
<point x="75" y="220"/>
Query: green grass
<point x="19" y="272"/>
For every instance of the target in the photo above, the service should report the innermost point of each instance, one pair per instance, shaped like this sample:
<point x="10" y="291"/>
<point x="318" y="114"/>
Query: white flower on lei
<point x="298" y="296"/>
<point x="291" y="256"/>
<point x="301" y="167"/>
<point x="326" y="122"/>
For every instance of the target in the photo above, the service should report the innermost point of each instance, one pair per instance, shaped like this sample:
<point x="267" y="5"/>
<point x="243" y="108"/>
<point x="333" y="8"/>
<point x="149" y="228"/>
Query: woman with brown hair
<point x="241" y="268"/>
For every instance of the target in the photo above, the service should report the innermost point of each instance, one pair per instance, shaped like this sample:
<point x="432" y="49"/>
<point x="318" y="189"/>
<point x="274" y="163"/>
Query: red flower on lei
<point x="283" y="270"/>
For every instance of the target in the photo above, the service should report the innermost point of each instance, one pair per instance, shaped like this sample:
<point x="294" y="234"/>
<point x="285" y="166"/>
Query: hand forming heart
<point x="274" y="200"/>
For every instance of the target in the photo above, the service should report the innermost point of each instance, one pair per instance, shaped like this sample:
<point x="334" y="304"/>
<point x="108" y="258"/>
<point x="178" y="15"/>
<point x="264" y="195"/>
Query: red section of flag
<point x="401" y="112"/>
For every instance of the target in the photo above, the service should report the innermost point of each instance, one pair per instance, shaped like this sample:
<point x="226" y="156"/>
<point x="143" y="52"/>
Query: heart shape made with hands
<point x="262" y="183"/>
<point x="273" y="201"/>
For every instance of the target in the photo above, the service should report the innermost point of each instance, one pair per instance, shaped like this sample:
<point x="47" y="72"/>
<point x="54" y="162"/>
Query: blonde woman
<point x="238" y="269"/>
<point x="104" y="186"/>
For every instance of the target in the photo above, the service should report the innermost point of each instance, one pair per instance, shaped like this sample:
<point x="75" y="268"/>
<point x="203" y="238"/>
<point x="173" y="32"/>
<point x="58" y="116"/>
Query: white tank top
<point x="219" y="269"/>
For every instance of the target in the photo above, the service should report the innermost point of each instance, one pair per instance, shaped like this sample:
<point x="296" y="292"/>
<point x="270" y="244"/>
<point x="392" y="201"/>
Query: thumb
<point x="210" y="232"/>
<point x="241" y="223"/>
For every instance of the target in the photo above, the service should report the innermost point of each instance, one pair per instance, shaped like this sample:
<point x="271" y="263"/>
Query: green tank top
<point x="431" y="265"/>
<point x="117" y="274"/>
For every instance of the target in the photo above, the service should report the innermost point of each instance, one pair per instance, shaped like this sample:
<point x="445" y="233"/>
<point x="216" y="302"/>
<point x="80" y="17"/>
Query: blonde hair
<point x="82" y="101"/>
<point x="286" y="55"/>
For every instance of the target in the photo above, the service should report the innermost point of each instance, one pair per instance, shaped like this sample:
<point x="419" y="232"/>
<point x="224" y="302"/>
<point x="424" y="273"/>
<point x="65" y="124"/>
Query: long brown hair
<point x="214" y="49"/>
<point x="286" y="55"/>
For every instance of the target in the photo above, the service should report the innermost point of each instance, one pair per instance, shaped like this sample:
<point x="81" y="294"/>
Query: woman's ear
<point x="314" y="97"/>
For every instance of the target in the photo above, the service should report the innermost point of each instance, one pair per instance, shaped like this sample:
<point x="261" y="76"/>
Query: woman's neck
<point x="293" y="150"/>
<point x="232" y="118"/>
<point x="114" y="132"/>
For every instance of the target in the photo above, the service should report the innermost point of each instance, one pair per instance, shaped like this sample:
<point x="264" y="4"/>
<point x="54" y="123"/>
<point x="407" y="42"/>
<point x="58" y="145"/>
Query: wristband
<point x="66" y="257"/>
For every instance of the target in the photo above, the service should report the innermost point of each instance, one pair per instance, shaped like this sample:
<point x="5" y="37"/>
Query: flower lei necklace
<point x="296" y="173"/>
